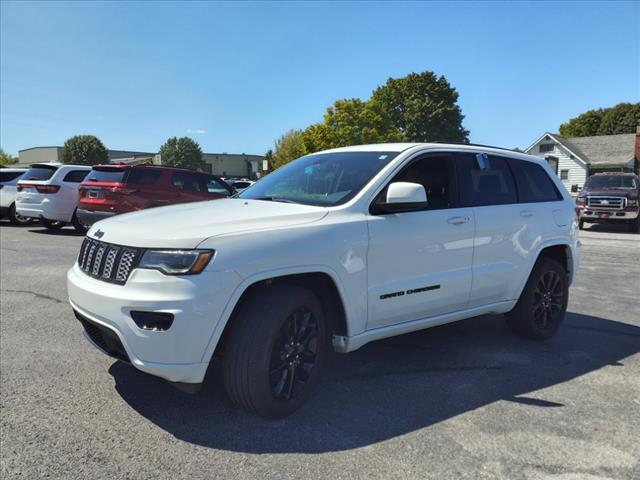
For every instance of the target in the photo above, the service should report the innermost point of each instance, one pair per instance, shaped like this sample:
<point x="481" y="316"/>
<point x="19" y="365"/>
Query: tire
<point x="264" y="371"/>
<point x="543" y="302"/>
<point x="581" y="224"/>
<point x="80" y="227"/>
<point x="16" y="219"/>
<point x="634" y="227"/>
<point x="52" y="224"/>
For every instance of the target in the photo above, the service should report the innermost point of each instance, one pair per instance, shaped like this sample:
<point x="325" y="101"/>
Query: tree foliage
<point x="422" y="108"/>
<point x="622" y="118"/>
<point x="182" y="152"/>
<point x="84" y="150"/>
<point x="287" y="148"/>
<point x="6" y="158"/>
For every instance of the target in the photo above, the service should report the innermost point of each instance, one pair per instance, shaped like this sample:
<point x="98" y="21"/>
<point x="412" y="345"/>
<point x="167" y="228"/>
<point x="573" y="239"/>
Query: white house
<point x="575" y="159"/>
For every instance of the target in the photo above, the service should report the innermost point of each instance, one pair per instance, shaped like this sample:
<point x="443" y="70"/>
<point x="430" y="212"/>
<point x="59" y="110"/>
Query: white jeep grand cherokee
<point x="336" y="249"/>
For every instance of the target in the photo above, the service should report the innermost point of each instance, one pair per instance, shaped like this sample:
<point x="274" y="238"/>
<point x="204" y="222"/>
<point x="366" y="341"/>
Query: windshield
<point x="613" y="181"/>
<point x="324" y="179"/>
<point x="111" y="175"/>
<point x="40" y="172"/>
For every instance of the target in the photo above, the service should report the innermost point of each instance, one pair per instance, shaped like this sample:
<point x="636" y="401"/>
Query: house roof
<point x="601" y="150"/>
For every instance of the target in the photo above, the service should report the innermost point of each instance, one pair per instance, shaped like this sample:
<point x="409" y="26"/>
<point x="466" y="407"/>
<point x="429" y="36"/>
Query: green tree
<point x="622" y="118"/>
<point x="350" y="122"/>
<point x="84" y="150"/>
<point x="423" y="108"/>
<point x="287" y="148"/>
<point x="182" y="152"/>
<point x="6" y="158"/>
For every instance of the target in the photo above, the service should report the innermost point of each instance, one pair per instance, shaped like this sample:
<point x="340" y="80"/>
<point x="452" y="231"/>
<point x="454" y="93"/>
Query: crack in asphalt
<point x="38" y="295"/>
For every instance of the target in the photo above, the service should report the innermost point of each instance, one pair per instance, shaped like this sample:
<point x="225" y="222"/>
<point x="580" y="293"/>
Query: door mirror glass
<point x="403" y="197"/>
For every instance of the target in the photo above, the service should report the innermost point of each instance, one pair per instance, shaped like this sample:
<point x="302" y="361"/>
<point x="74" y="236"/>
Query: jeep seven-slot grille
<point x="606" y="203"/>
<point x="107" y="262"/>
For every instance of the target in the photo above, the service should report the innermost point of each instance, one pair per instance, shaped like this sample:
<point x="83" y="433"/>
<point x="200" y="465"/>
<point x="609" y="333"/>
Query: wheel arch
<point x="321" y="282"/>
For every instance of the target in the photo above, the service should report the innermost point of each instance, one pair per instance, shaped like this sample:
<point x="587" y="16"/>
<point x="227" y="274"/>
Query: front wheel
<point x="275" y="351"/>
<point x="52" y="224"/>
<point x="15" y="218"/>
<point x="543" y="302"/>
<point x="581" y="224"/>
<point x="634" y="227"/>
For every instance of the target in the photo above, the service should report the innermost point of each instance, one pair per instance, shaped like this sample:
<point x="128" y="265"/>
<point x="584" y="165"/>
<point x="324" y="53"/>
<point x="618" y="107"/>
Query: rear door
<point x="503" y="238"/>
<point x="419" y="263"/>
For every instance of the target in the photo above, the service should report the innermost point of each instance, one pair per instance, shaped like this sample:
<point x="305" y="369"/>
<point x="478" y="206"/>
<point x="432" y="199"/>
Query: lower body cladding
<point x="89" y="217"/>
<point x="162" y="325"/>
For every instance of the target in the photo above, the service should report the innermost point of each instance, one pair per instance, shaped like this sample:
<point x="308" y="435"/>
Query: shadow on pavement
<point x="391" y="387"/>
<point x="63" y="232"/>
<point x="608" y="228"/>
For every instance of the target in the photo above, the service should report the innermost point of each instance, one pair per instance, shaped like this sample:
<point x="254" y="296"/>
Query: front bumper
<point x="89" y="217"/>
<point x="594" y="216"/>
<point x="196" y="301"/>
<point x="44" y="210"/>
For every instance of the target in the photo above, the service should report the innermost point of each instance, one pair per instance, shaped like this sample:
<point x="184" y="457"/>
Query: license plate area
<point x="95" y="194"/>
<point x="604" y="214"/>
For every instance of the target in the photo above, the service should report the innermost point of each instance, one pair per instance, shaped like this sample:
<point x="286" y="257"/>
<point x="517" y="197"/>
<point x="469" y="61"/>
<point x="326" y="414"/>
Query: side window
<point x="143" y="176"/>
<point x="214" y="186"/>
<point x="75" y="176"/>
<point x="188" y="182"/>
<point x="435" y="173"/>
<point x="534" y="185"/>
<point x="484" y="180"/>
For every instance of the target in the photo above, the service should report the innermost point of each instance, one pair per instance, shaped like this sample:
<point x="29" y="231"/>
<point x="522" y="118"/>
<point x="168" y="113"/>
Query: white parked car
<point x="240" y="185"/>
<point x="334" y="250"/>
<point x="49" y="192"/>
<point x="8" y="190"/>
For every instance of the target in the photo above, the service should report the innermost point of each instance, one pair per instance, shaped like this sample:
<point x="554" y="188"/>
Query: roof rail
<point x="478" y="145"/>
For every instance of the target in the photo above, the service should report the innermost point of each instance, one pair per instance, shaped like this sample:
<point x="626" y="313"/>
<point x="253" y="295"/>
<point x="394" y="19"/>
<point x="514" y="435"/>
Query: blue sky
<point x="235" y="76"/>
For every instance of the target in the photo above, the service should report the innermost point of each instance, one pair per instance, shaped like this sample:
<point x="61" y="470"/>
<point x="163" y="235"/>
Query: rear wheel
<point x="543" y="302"/>
<point x="275" y="351"/>
<point x="52" y="224"/>
<point x="78" y="225"/>
<point x="15" y="218"/>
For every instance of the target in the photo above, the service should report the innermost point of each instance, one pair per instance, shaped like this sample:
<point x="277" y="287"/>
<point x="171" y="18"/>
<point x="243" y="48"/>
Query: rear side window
<point x="534" y="185"/>
<point x="188" y="182"/>
<point x="484" y="180"/>
<point x="111" y="175"/>
<point x="8" y="176"/>
<point x="75" y="176"/>
<point x="215" y="186"/>
<point x="39" y="173"/>
<point x="143" y="176"/>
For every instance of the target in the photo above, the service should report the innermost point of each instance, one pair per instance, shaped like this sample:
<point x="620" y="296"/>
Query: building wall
<point x="233" y="165"/>
<point x="39" y="155"/>
<point x="578" y="172"/>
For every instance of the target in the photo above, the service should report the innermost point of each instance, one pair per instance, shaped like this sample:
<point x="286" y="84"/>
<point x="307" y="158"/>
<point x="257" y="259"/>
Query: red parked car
<point x="112" y="189"/>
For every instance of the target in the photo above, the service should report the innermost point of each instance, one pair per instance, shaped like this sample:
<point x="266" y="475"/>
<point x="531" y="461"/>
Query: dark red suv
<point x="112" y="189"/>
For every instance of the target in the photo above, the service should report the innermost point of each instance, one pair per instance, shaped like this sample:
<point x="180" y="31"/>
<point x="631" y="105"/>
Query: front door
<point x="420" y="262"/>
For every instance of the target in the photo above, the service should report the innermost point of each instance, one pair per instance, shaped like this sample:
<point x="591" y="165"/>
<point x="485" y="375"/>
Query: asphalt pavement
<point x="467" y="400"/>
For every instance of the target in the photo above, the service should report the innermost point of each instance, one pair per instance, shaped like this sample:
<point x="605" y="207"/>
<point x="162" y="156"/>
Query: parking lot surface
<point x="467" y="400"/>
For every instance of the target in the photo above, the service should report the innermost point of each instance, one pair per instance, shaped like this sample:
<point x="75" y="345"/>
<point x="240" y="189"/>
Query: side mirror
<point x="403" y="197"/>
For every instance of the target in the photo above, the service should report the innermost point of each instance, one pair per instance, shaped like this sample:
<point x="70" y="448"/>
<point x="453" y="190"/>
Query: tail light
<point x="39" y="188"/>
<point x="123" y="191"/>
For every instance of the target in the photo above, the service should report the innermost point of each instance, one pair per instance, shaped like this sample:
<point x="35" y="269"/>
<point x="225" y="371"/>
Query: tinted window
<point x="241" y="184"/>
<point x="187" y="181"/>
<point x="611" y="181"/>
<point x="534" y="185"/>
<point x="8" y="176"/>
<point x="143" y="176"/>
<point x="75" y="176"/>
<point x="325" y="179"/>
<point x="484" y="180"/>
<point x="215" y="186"/>
<point x="39" y="173"/>
<point x="107" y="175"/>
<point x="435" y="174"/>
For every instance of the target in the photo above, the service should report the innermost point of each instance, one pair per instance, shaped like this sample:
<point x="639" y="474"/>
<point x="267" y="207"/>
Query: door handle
<point x="526" y="213"/>
<point x="458" y="220"/>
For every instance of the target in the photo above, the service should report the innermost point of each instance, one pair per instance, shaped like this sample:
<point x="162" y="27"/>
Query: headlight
<point x="632" y="203"/>
<point x="580" y="201"/>
<point x="176" y="262"/>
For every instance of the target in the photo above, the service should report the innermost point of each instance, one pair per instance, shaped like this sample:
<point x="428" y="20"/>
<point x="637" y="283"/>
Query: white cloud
<point x="196" y="131"/>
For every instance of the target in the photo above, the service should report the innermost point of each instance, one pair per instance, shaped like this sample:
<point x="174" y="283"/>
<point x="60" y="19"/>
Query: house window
<point x="546" y="147"/>
<point x="564" y="174"/>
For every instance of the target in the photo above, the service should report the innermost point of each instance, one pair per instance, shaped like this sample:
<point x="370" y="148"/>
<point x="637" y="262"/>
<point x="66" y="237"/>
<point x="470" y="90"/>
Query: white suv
<point x="336" y="249"/>
<point x="8" y="190"/>
<point x="49" y="192"/>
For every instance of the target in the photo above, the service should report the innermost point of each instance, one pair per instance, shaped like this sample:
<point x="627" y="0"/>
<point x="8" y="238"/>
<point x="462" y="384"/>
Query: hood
<point x="610" y="192"/>
<point x="187" y="225"/>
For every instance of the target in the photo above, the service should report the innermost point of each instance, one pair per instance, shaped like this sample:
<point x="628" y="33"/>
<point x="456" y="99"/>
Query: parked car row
<point x="58" y="194"/>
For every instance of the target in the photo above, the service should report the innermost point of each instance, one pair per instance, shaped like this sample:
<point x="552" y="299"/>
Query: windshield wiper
<point x="276" y="199"/>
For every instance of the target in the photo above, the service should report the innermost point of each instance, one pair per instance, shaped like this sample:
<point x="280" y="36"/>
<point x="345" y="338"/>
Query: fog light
<point x="154" y="321"/>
